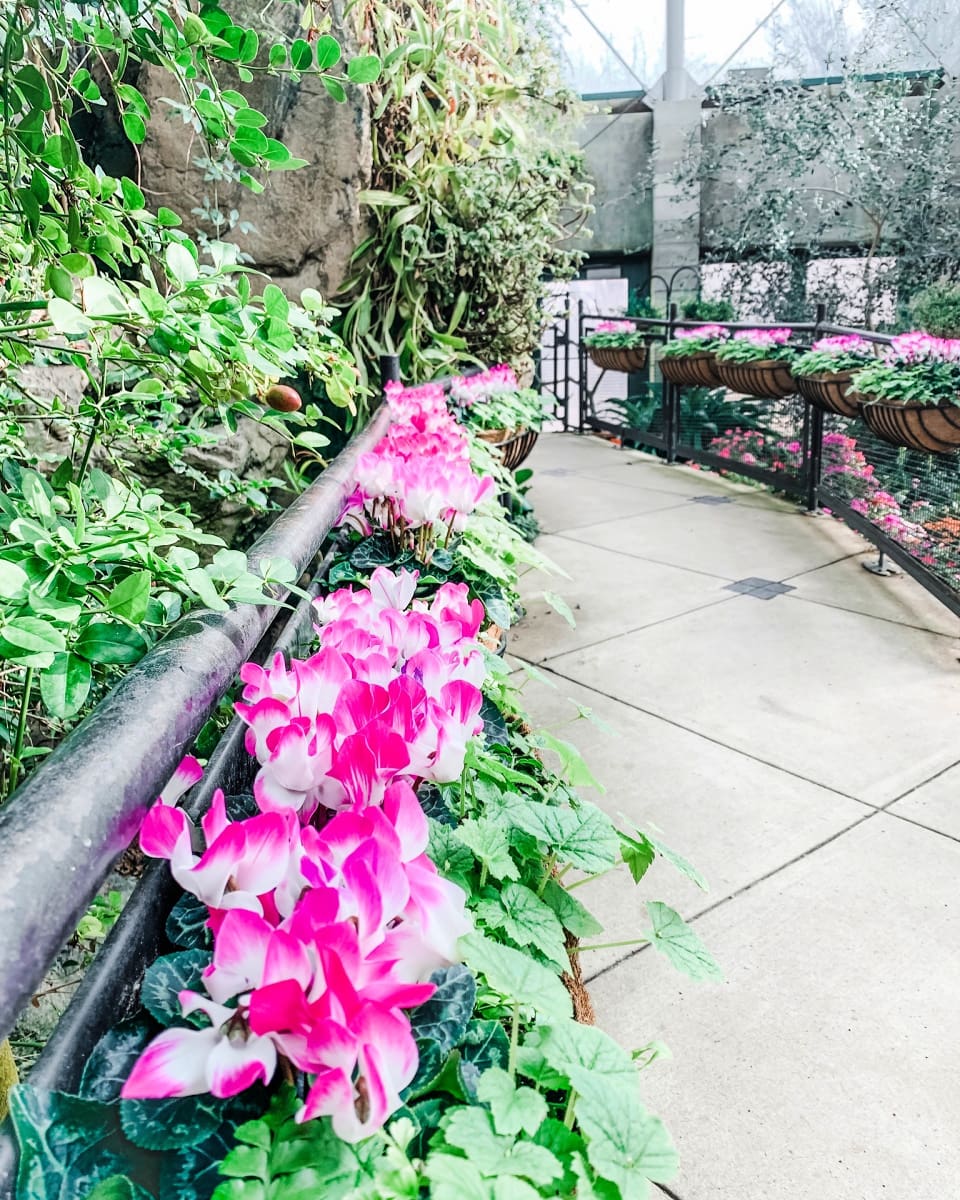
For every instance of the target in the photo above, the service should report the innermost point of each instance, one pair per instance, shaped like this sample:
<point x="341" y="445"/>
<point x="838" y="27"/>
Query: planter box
<point x="692" y="370"/>
<point x="618" y="358"/>
<point x="933" y="429"/>
<point x="770" y="377"/>
<point x="829" y="392"/>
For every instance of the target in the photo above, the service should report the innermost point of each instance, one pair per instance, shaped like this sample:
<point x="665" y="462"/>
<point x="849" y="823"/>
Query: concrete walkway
<point x="802" y="748"/>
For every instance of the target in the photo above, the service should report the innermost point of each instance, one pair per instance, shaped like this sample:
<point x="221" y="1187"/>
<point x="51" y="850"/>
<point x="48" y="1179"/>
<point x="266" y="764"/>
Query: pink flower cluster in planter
<point x="768" y="338"/>
<point x="468" y="390"/>
<point x="918" y="347"/>
<point x="615" y="327"/>
<point x="417" y="483"/>
<point x="843" y="343"/>
<point x="327" y="915"/>
<point x="703" y="333"/>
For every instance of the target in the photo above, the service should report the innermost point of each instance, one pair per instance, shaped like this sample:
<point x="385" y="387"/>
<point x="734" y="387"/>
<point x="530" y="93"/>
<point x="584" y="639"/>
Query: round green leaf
<point x="134" y="127"/>
<point x="112" y="643"/>
<point x="301" y="56"/>
<point x="65" y="685"/>
<point x="364" y="69"/>
<point x="328" y="52"/>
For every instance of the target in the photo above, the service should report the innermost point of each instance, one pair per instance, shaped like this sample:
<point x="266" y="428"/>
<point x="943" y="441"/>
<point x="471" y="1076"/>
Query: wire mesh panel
<point x="908" y="499"/>
<point x="748" y="436"/>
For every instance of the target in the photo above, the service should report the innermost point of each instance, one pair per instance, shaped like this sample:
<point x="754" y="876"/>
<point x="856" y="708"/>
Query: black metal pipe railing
<point x="63" y="829"/>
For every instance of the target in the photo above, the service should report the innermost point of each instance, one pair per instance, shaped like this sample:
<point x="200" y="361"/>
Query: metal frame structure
<point x="809" y="486"/>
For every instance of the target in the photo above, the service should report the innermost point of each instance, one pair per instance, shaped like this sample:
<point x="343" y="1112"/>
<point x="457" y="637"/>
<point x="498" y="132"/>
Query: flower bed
<point x="378" y="965"/>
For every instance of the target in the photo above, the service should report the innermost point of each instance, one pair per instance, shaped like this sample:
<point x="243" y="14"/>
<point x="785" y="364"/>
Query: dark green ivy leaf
<point x="166" y="978"/>
<point x="445" y="1016"/>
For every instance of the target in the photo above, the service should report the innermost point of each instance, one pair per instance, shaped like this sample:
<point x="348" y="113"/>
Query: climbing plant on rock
<point x="477" y="185"/>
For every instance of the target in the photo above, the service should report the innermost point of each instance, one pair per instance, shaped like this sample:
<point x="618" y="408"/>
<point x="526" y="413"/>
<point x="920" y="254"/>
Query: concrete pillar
<point x="676" y="207"/>
<point x="675" y="81"/>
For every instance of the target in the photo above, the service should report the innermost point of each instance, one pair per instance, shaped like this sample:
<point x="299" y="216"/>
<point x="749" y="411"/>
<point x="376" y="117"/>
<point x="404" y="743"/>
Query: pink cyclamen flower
<point x="764" y="337"/>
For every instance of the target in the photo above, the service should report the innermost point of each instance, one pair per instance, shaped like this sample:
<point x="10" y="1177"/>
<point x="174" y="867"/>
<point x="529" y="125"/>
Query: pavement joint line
<point x="641" y="557"/>
<point x="858" y="612"/>
<point x="823" y="566"/>
<point x="923" y="783"/>
<point x="920" y="825"/>
<point x="747" y="887"/>
<point x="636" y="629"/>
<point x="623" y="517"/>
<point x="697" y="732"/>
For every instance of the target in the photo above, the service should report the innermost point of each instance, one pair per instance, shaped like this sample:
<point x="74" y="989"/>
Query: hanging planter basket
<point x="770" y="377"/>
<point x="830" y="392"/>
<point x="692" y="370"/>
<point x="514" y="445"/>
<point x="618" y="358"/>
<point x="930" y="428"/>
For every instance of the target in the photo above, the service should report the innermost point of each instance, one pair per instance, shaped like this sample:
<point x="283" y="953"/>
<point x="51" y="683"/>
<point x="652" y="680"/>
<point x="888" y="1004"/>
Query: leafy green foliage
<point x="936" y="309"/>
<point x="827" y="159"/>
<point x="673" y="937"/>
<point x="476" y="187"/>
<point x="926" y="382"/>
<point x="166" y="341"/>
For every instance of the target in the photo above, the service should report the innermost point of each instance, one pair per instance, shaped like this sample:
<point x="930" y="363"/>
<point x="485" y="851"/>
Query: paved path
<point x="803" y="751"/>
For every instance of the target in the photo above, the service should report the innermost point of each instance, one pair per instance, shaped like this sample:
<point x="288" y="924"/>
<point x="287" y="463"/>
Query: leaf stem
<point x="17" y="750"/>
<point x="589" y="879"/>
<point x="610" y="945"/>
<point x="571" y="1108"/>
<point x="514" y="1039"/>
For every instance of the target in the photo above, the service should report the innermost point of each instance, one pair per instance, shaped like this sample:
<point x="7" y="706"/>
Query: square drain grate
<point x="760" y="589"/>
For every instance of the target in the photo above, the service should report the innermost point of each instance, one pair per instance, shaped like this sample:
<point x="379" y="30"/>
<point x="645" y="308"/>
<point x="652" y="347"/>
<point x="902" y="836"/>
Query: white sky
<point x="636" y="27"/>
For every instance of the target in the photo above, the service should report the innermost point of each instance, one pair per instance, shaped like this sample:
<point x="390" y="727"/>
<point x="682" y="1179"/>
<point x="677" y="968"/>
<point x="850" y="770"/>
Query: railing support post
<point x="671" y="398"/>
<point x="582" y="368"/>
<point x="814" y="436"/>
<point x="389" y="368"/>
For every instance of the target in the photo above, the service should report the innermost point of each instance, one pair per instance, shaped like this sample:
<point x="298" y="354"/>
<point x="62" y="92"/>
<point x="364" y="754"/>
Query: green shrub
<point x="937" y="309"/>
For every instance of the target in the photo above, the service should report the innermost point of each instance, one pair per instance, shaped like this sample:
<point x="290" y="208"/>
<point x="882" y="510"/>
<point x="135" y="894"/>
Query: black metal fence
<point x="907" y="503"/>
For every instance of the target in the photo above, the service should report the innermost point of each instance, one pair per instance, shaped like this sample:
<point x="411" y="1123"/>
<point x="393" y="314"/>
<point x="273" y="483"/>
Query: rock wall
<point x="306" y="223"/>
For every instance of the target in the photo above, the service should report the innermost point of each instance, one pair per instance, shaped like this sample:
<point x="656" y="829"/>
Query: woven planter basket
<point x="828" y="391"/>
<point x="618" y="358"/>
<point x="934" y="429"/>
<point x="770" y="377"/>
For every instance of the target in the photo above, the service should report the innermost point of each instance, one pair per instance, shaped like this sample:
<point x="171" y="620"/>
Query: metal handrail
<point x="65" y="826"/>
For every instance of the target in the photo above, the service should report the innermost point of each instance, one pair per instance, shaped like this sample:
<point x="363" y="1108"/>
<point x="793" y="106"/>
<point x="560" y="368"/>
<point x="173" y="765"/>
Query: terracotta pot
<point x="932" y="428"/>
<point x="829" y="392"/>
<point x="769" y="377"/>
<point x="692" y="370"/>
<point x="619" y="358"/>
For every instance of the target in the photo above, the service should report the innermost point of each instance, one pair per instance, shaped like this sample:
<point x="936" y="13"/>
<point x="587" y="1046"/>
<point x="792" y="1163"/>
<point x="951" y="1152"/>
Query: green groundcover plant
<point x="386" y="1009"/>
